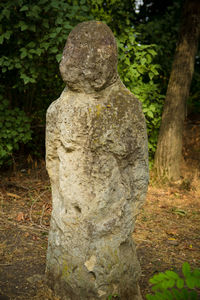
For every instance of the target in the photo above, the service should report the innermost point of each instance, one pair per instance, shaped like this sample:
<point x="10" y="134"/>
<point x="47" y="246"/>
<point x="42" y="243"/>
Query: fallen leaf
<point x="29" y="159"/>
<point x="35" y="238"/>
<point x="13" y="195"/>
<point x="171" y="232"/>
<point x="20" y="216"/>
<point x="36" y="164"/>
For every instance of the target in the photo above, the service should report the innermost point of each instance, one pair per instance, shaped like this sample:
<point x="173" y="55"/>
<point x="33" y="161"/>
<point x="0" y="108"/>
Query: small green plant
<point x="170" y="286"/>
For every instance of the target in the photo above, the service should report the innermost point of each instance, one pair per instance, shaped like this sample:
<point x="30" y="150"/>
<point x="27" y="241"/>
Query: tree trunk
<point x="169" y="148"/>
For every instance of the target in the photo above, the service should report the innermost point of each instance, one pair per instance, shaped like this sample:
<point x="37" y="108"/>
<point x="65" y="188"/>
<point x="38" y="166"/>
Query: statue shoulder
<point x="126" y="102"/>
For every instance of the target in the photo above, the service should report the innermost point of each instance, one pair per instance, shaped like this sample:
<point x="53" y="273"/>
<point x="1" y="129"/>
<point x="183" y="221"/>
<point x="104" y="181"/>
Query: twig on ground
<point x="30" y="213"/>
<point x="43" y="209"/>
<point x="10" y="184"/>
<point x="25" y="227"/>
<point x="138" y="239"/>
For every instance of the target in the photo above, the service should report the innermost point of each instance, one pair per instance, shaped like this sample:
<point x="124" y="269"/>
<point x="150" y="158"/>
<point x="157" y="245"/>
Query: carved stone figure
<point x="97" y="160"/>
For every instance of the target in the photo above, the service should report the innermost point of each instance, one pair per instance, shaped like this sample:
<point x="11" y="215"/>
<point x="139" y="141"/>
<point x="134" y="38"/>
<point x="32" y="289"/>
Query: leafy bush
<point x="32" y="37"/>
<point x="30" y="78"/>
<point x="139" y="73"/>
<point x="14" y="129"/>
<point x="170" y="286"/>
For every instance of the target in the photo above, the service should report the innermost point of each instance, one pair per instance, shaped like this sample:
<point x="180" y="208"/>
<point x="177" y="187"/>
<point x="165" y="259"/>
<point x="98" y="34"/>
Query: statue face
<point x="89" y="61"/>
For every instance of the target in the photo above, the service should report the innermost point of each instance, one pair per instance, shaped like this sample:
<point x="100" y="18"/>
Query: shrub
<point x="14" y="130"/>
<point x="140" y="73"/>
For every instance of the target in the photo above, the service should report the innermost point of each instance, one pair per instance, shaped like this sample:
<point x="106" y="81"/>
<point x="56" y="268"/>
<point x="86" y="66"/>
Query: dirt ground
<point x="167" y="232"/>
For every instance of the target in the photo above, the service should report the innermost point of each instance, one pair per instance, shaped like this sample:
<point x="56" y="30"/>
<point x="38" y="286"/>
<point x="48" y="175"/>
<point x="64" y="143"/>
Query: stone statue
<point x="97" y="161"/>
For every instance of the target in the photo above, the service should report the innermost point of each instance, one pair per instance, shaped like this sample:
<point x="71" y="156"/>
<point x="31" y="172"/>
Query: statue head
<point x="89" y="61"/>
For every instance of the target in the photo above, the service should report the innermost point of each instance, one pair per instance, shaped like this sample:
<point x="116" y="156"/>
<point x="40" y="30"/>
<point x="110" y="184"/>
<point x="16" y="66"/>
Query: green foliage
<point x="161" y="29"/>
<point x="29" y="63"/>
<point x="113" y="11"/>
<point x="169" y="285"/>
<point x="139" y="73"/>
<point x="14" y="130"/>
<point x="33" y="34"/>
<point x="32" y="37"/>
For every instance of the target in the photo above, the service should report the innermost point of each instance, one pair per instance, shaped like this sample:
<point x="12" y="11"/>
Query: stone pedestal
<point x="96" y="157"/>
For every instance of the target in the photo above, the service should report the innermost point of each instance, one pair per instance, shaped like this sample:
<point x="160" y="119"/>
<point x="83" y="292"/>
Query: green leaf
<point x="45" y="45"/>
<point x="7" y="34"/>
<point x="165" y="284"/>
<point x="180" y="283"/>
<point x="9" y="147"/>
<point x="143" y="61"/>
<point x="159" y="296"/>
<point x="170" y="274"/>
<point x="32" y="80"/>
<point x="152" y="52"/>
<point x="171" y="283"/>
<point x="149" y="114"/>
<point x="24" y="27"/>
<point x="190" y="282"/>
<point x="193" y="295"/>
<point x="24" y="8"/>
<point x="150" y="297"/>
<point x="38" y="51"/>
<point x="149" y="58"/>
<point x="54" y="50"/>
<point x="58" y="57"/>
<point x="55" y="4"/>
<point x="167" y="295"/>
<point x="18" y="65"/>
<point x="151" y="75"/>
<point x="53" y="35"/>
<point x="67" y="26"/>
<point x="177" y="294"/>
<point x="184" y="294"/>
<point x="155" y="278"/>
<point x="23" y="54"/>
<point x="45" y="23"/>
<point x="196" y="273"/>
<point x="6" y="13"/>
<point x="140" y="69"/>
<point x="154" y="71"/>
<point x="127" y="61"/>
<point x="31" y="44"/>
<point x="1" y="39"/>
<point x="186" y="269"/>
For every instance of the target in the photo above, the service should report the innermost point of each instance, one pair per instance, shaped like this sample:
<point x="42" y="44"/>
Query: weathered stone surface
<point x="96" y="156"/>
<point x="89" y="61"/>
